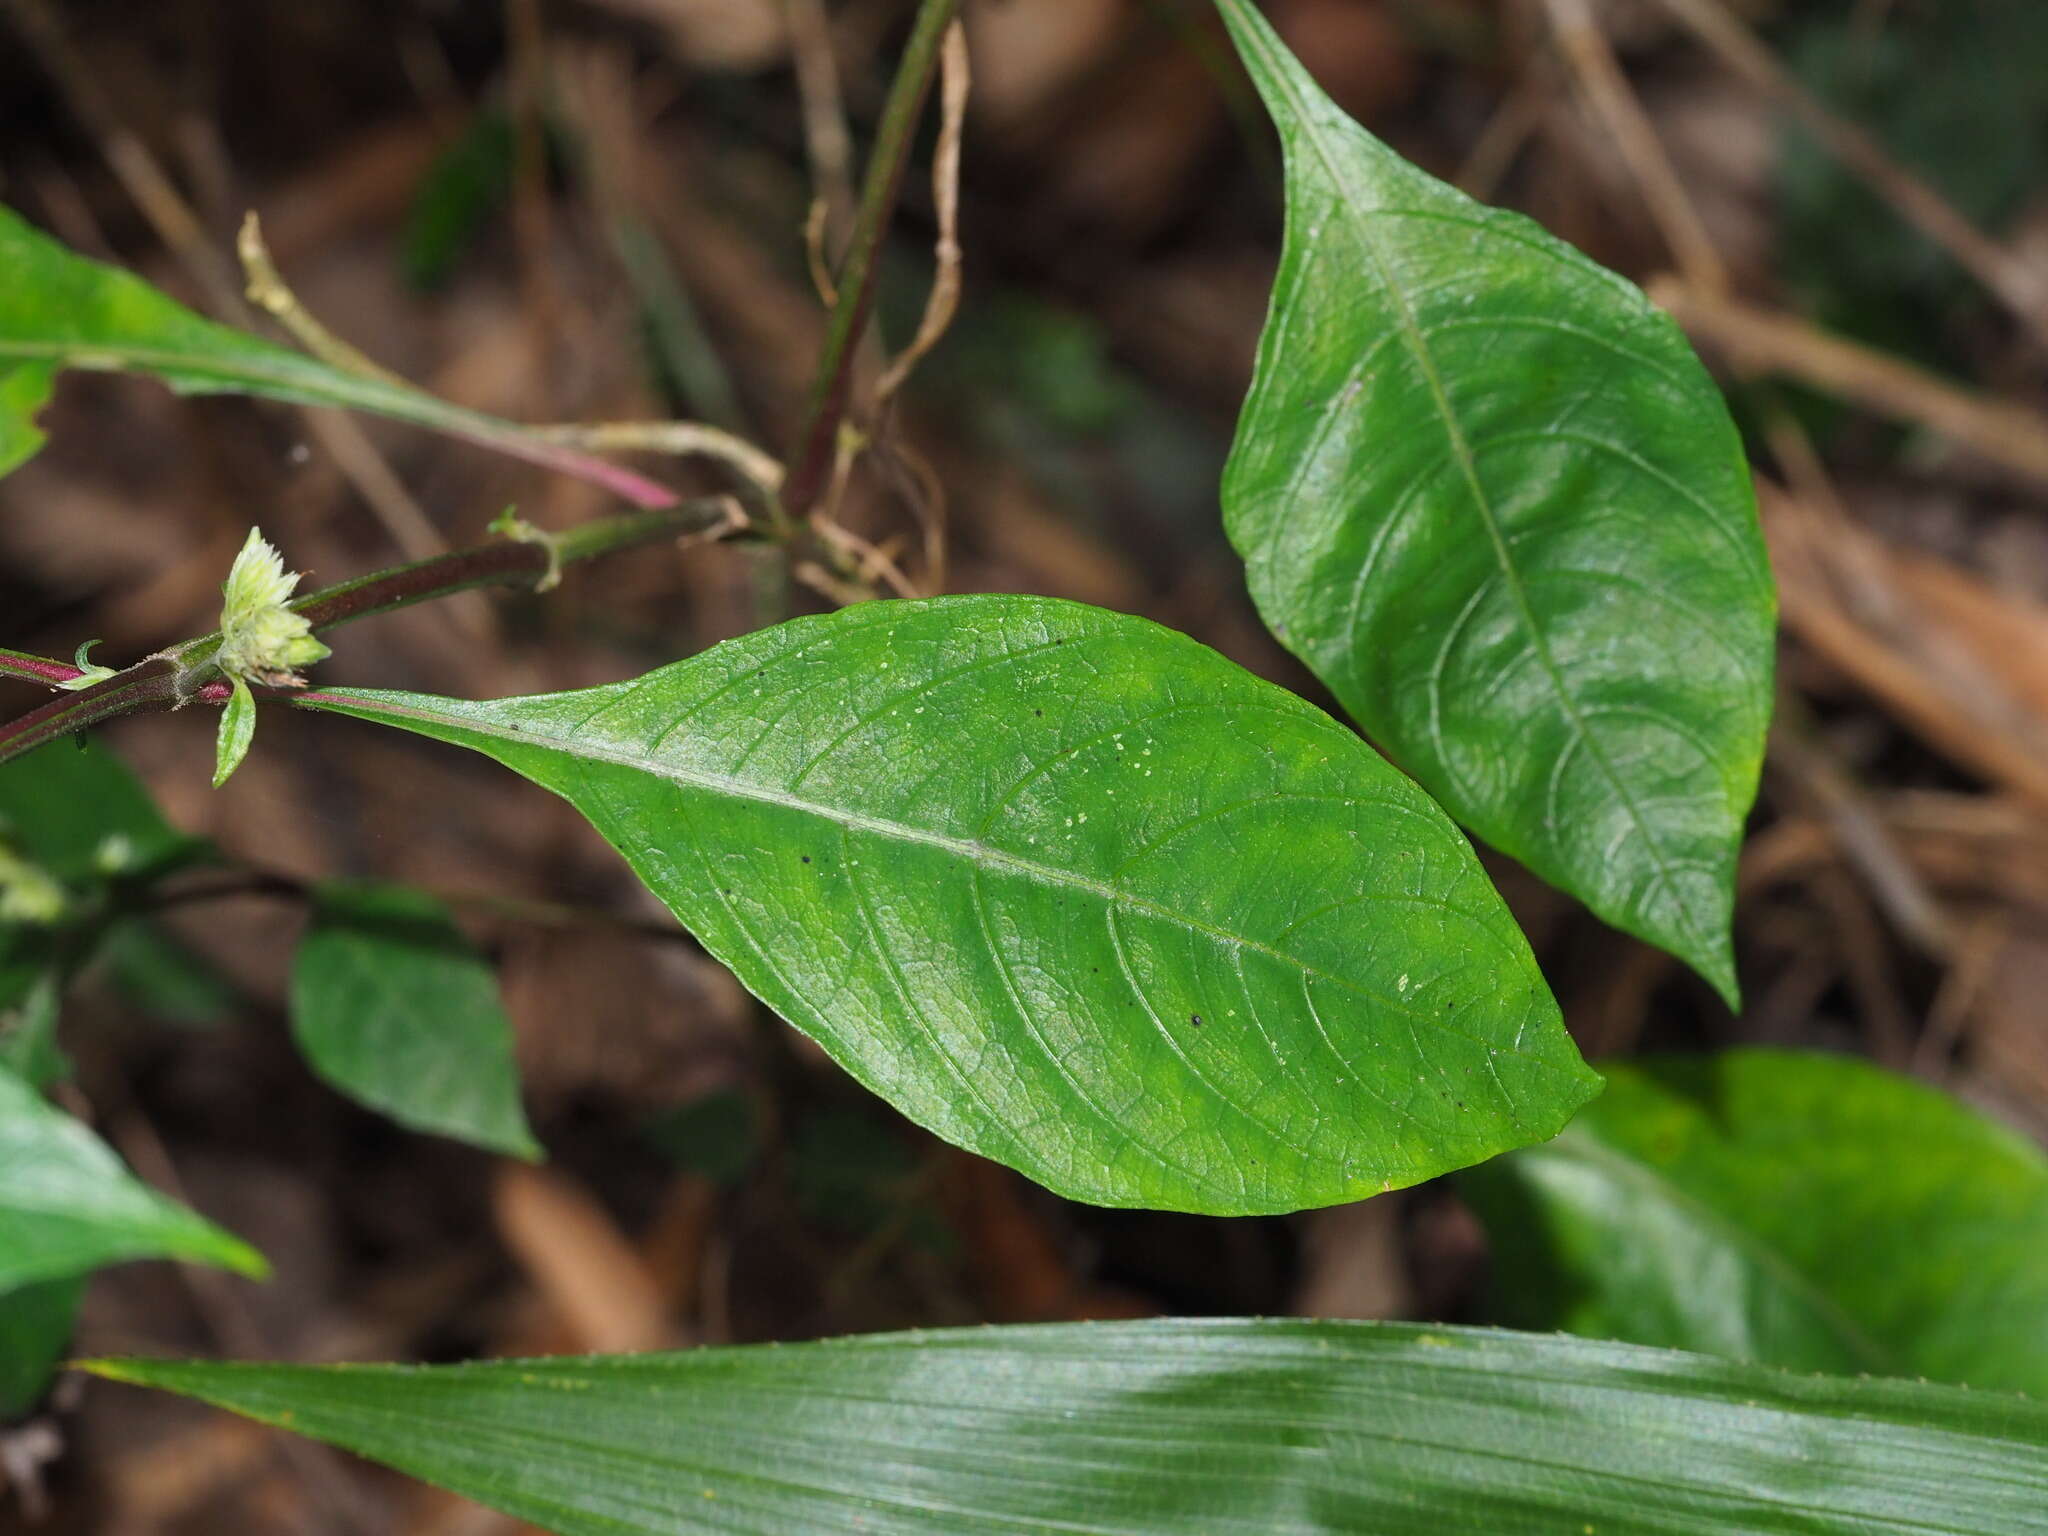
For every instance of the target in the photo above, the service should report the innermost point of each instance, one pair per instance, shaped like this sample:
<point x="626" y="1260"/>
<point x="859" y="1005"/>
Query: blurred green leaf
<point x="468" y="182"/>
<point x="1803" y="1210"/>
<point x="1490" y="496"/>
<point x="67" y="1206"/>
<point x="392" y="1006"/>
<point x="35" y="1327"/>
<point x="716" y="1135"/>
<point x="1072" y="891"/>
<point x="161" y="975"/>
<point x="28" y="1035"/>
<point x="1212" y="1428"/>
<point x="76" y="808"/>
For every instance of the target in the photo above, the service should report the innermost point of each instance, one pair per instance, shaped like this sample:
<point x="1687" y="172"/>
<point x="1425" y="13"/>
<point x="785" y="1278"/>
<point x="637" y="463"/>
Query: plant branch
<point x="186" y="672"/>
<point x="812" y="462"/>
<point x="37" y="669"/>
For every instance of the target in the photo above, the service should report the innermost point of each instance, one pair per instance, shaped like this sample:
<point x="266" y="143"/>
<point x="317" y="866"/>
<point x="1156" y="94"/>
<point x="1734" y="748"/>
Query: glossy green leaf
<point x="68" y="1206"/>
<point x="1071" y="890"/>
<point x="62" y="310"/>
<point x="1805" y="1210"/>
<point x="1491" y="497"/>
<point x="35" y="1327"/>
<point x="392" y="1006"/>
<point x="77" y="809"/>
<point x="1210" y="1428"/>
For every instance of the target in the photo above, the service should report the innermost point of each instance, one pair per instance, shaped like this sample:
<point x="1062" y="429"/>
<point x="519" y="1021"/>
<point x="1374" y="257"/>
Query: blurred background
<point x="595" y="210"/>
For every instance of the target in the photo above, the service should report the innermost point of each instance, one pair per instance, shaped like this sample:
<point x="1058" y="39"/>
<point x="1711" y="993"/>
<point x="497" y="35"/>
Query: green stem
<point x="186" y="671"/>
<point x="812" y="462"/>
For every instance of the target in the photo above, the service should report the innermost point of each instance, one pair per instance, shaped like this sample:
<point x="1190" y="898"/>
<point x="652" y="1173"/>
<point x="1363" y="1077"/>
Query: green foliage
<point x="28" y="1035"/>
<point x="392" y="1006"/>
<point x="1805" y="1210"/>
<point x="61" y="310"/>
<point x="67" y="1206"/>
<point x="1491" y="497"/>
<point x="1150" y="1429"/>
<point x="75" y="808"/>
<point x="468" y="182"/>
<point x="35" y="1322"/>
<point x="1070" y="890"/>
<point x="716" y="1136"/>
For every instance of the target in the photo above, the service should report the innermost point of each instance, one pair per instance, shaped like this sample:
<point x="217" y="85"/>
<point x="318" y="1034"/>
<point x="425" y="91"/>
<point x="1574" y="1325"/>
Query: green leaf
<point x="1209" y="1428"/>
<point x="391" y="1006"/>
<point x="237" y="730"/>
<point x="1805" y="1210"/>
<point x="68" y="1206"/>
<point x="1489" y="495"/>
<point x="1072" y="891"/>
<point x="35" y="1326"/>
<point x="62" y="310"/>
<point x="25" y="388"/>
<point x="76" y="809"/>
<point x="28" y="1035"/>
<point x="161" y="975"/>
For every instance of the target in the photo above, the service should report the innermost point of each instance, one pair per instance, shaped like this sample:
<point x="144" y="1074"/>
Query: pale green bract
<point x="261" y="640"/>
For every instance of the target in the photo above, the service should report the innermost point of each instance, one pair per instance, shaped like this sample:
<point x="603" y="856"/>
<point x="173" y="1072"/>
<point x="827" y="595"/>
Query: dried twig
<point x="944" y="299"/>
<point x="2022" y="286"/>
<point x="2004" y="433"/>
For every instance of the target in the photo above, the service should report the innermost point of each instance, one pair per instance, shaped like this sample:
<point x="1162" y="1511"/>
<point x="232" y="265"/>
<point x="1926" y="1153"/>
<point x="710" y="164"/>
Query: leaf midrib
<point x="972" y="850"/>
<point x="1418" y="347"/>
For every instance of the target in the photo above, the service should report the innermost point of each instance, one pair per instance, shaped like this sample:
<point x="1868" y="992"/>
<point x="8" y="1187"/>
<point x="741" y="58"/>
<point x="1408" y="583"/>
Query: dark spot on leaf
<point x="1195" y="1019"/>
<point x="1038" y="712"/>
<point x="807" y="858"/>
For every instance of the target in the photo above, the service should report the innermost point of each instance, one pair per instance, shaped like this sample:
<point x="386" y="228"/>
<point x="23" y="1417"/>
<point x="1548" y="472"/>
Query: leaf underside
<point x="1203" y="1428"/>
<point x="67" y="1205"/>
<point x="1798" y="1209"/>
<point x="392" y="1006"/>
<point x="1072" y="891"/>
<point x="1490" y="496"/>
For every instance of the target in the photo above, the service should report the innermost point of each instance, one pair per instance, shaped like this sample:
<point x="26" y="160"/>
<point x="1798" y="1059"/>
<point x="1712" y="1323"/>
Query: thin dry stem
<point x="2019" y="284"/>
<point x="683" y="439"/>
<point x="944" y="300"/>
<point x="2005" y="433"/>
<point x="1607" y="91"/>
<point x="269" y="292"/>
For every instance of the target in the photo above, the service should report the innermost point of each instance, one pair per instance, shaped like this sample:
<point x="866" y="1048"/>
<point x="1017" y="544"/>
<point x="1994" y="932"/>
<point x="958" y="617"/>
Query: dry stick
<point x="944" y="300"/>
<point x="187" y="672"/>
<point x="1586" y="49"/>
<point x="826" y="140"/>
<point x="2019" y="284"/>
<point x="180" y="230"/>
<point x="811" y="465"/>
<point x="2007" y="434"/>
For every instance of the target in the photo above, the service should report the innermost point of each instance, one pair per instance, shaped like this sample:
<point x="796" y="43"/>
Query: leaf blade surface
<point x="1070" y="890"/>
<point x="1489" y="495"/>
<point x="1799" y="1209"/>
<point x="1221" y="1427"/>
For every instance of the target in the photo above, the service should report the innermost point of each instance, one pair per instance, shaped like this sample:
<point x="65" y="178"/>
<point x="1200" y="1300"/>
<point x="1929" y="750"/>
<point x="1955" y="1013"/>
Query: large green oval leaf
<point x="1805" y="1210"/>
<point x="68" y="1206"/>
<point x="1491" y="497"/>
<point x="62" y="310"/>
<point x="1217" y="1428"/>
<point x="1071" y="890"/>
<point x="392" y="1006"/>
